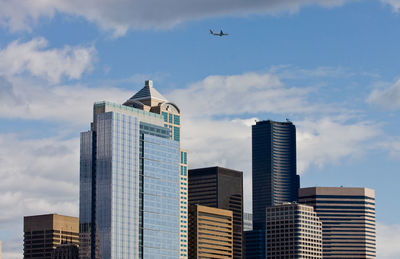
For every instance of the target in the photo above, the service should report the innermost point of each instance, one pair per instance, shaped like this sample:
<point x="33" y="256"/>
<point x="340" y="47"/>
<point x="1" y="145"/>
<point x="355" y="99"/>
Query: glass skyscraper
<point x="132" y="174"/>
<point x="275" y="179"/>
<point x="274" y="174"/>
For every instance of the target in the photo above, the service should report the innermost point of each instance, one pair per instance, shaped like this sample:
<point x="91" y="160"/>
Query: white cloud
<point x="71" y="104"/>
<point x="120" y="15"/>
<point x="387" y="98"/>
<point x="392" y="144"/>
<point x="36" y="58"/>
<point x="12" y="255"/>
<point x="329" y="140"/>
<point x="395" y="4"/>
<point x="38" y="176"/>
<point x="225" y="143"/>
<point x="248" y="93"/>
<point x="388" y="240"/>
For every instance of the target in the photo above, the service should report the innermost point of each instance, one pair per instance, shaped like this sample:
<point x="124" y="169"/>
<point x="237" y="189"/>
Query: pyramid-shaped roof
<point x="148" y="92"/>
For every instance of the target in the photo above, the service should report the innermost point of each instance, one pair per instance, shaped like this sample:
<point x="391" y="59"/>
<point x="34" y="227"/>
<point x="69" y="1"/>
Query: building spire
<point x="148" y="95"/>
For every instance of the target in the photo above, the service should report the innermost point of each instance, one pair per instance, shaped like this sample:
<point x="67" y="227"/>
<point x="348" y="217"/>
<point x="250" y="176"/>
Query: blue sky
<point x="329" y="66"/>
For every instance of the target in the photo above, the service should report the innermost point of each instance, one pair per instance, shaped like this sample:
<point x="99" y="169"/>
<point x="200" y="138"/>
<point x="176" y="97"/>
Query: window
<point x="176" y="134"/>
<point x="165" y="115"/>
<point x="176" y="119"/>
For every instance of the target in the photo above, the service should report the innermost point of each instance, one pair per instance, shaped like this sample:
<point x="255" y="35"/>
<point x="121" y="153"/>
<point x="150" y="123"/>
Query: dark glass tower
<point x="220" y="188"/>
<point x="274" y="167"/>
<point x="274" y="175"/>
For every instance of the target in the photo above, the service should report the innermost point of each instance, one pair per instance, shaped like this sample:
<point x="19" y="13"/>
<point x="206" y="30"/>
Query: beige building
<point x="348" y="220"/>
<point x="210" y="232"/>
<point x="293" y="231"/>
<point x="43" y="233"/>
<point x="0" y="249"/>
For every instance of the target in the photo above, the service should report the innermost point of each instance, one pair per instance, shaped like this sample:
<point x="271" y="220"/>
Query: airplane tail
<point x="211" y="32"/>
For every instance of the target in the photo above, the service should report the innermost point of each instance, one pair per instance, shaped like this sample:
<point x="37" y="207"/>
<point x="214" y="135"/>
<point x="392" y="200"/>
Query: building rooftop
<point x="274" y="122"/>
<point x="148" y="92"/>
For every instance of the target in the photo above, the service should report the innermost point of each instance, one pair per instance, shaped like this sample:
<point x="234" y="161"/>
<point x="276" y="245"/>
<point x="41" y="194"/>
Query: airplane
<point x="221" y="33"/>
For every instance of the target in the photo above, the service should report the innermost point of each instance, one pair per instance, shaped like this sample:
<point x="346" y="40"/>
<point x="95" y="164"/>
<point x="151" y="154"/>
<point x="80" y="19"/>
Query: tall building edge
<point x="87" y="195"/>
<point x="183" y="205"/>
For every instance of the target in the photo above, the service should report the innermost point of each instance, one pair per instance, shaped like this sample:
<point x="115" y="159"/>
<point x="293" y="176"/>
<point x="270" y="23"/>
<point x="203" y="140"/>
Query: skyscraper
<point x="220" y="188"/>
<point x="348" y="220"/>
<point x="275" y="179"/>
<point x="293" y="231"/>
<point x="43" y="233"/>
<point x="132" y="175"/>
<point x="274" y="174"/>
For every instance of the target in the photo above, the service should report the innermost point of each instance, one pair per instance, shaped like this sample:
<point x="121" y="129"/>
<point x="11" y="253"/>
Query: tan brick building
<point x="210" y="232"/>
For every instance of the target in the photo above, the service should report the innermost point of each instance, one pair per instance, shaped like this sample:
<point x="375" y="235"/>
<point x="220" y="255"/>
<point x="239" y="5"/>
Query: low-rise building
<point x="43" y="233"/>
<point x="210" y="232"/>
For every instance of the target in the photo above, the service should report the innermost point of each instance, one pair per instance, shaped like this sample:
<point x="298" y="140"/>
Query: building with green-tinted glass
<point x="133" y="180"/>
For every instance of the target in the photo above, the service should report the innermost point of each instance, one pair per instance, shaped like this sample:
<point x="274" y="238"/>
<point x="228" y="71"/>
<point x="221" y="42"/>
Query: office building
<point x="254" y="241"/>
<point x="43" y="233"/>
<point x="293" y="231"/>
<point x="348" y="220"/>
<point x="66" y="251"/>
<point x="210" y="232"/>
<point x="220" y="188"/>
<point x="274" y="174"/>
<point x="274" y="167"/>
<point x="247" y="221"/>
<point x="133" y="196"/>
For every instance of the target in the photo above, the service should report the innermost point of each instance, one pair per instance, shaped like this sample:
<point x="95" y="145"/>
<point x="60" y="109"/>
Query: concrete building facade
<point x="293" y="231"/>
<point x="348" y="220"/>
<point x="210" y="232"/>
<point x="43" y="233"/>
<point x="220" y="188"/>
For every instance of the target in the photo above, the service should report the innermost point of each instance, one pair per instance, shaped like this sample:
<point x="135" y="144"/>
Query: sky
<point x="330" y="66"/>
